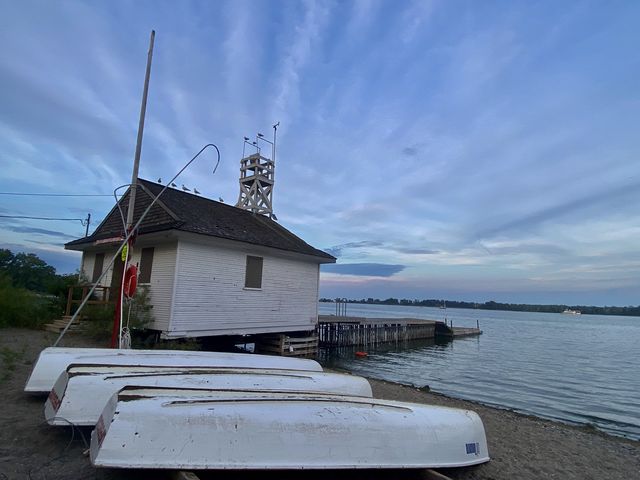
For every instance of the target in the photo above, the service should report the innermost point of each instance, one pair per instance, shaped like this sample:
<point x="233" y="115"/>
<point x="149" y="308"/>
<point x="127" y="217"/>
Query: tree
<point x="27" y="270"/>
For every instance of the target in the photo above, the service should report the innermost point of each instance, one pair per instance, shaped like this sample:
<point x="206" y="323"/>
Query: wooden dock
<point x="341" y="331"/>
<point x="448" y="332"/>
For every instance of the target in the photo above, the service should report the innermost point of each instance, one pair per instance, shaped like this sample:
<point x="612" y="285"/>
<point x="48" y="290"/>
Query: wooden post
<point x="69" y="300"/>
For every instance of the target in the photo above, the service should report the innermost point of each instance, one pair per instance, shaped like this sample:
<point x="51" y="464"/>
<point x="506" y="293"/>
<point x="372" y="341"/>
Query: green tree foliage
<point x="30" y="291"/>
<point x="27" y="270"/>
<point x="20" y="307"/>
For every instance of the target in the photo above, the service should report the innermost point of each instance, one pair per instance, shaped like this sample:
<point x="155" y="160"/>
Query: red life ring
<point x="130" y="281"/>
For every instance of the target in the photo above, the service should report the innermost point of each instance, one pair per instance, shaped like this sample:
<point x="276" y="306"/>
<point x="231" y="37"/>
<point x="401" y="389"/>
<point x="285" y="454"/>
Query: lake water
<point x="581" y="369"/>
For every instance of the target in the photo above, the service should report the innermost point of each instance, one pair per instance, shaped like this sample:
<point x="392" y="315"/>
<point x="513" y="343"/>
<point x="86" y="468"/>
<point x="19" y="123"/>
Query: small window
<point x="146" y="263"/>
<point x="97" y="267"/>
<point x="253" y="277"/>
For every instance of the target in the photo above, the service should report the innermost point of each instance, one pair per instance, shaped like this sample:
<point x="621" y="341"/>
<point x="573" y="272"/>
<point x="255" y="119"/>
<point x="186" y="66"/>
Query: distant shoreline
<point x="629" y="311"/>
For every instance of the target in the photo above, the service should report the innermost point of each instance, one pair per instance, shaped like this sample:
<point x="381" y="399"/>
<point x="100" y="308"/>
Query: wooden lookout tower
<point x="257" y="176"/>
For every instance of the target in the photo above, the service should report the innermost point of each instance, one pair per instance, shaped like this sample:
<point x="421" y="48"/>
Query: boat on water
<point x="81" y="392"/>
<point x="568" y="311"/>
<point x="53" y="361"/>
<point x="143" y="428"/>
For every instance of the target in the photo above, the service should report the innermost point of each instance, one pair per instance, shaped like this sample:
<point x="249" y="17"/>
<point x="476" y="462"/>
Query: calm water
<point x="582" y="369"/>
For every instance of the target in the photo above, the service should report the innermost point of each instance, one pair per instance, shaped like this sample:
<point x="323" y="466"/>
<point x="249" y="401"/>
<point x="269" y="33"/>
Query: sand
<point x="521" y="447"/>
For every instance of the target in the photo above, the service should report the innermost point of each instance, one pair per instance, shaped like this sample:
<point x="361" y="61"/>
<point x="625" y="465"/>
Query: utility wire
<point x="42" y="218"/>
<point x="57" y="194"/>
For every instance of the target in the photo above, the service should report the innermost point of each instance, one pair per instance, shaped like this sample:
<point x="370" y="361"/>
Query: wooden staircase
<point x="58" y="325"/>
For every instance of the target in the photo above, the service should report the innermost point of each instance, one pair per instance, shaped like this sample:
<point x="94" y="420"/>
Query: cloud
<point x="39" y="231"/>
<point x="603" y="198"/>
<point x="416" y="251"/>
<point x="517" y="248"/>
<point x="298" y="51"/>
<point x="424" y="129"/>
<point x="410" y="151"/>
<point x="337" y="250"/>
<point x="363" y="269"/>
<point x="416" y="16"/>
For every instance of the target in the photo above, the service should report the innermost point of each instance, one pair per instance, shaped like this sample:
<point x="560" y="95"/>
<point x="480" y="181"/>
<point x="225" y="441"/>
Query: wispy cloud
<point x="363" y="269"/>
<point x="604" y="199"/>
<point x="337" y="250"/>
<point x="490" y="149"/>
<point x="39" y="231"/>
<point x="306" y="35"/>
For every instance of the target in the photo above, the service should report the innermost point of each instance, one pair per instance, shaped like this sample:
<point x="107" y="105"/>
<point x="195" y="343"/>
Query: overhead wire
<point x="42" y="218"/>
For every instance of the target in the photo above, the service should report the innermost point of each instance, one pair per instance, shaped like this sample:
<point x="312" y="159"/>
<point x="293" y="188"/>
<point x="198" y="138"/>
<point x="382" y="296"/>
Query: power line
<point x="57" y="194"/>
<point x="42" y="218"/>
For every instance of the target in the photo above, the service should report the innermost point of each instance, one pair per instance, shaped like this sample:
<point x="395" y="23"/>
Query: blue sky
<point x="463" y="150"/>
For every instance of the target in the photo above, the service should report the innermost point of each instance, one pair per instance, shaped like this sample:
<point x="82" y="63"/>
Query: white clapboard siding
<point x="161" y="286"/>
<point x="162" y="278"/>
<point x="86" y="267"/>
<point x="106" y="280"/>
<point x="88" y="261"/>
<point x="210" y="298"/>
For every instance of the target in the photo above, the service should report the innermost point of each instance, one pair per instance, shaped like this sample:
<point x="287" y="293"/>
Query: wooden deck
<point x="344" y="331"/>
<point x="341" y="331"/>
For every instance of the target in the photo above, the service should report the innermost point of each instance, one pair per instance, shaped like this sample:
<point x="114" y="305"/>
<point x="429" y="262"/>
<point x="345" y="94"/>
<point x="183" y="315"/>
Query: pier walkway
<point x="340" y="331"/>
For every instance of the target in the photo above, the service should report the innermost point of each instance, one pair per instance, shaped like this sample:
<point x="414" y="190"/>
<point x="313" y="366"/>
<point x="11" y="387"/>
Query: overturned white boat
<point x="81" y="392"/>
<point x="54" y="360"/>
<point x="141" y="428"/>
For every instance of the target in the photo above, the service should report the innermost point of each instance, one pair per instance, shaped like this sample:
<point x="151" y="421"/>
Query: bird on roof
<point x="160" y="180"/>
<point x="185" y="188"/>
<point x="220" y="199"/>
<point x="195" y="190"/>
<point x="174" y="185"/>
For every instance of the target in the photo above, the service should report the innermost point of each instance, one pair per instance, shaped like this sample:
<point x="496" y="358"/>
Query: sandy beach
<point x="521" y="447"/>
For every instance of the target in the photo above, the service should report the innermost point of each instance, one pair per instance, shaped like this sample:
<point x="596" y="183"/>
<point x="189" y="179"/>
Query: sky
<point x="450" y="149"/>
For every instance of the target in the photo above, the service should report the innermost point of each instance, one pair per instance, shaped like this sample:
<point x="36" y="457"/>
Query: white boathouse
<point x="212" y="269"/>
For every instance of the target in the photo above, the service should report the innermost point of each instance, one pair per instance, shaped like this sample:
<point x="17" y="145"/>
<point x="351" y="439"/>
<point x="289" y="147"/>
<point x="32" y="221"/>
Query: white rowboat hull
<point x="81" y="392"/>
<point x="244" y="430"/>
<point x="54" y="360"/>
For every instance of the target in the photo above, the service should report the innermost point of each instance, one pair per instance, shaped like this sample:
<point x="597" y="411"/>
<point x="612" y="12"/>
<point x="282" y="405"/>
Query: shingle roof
<point x="177" y="210"/>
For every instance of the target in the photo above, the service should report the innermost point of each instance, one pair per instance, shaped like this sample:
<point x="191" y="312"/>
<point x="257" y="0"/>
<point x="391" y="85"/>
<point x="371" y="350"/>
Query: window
<point x="146" y="262"/>
<point x="253" y="276"/>
<point x="97" y="267"/>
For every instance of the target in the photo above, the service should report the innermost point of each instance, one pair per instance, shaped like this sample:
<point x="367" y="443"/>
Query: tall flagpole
<point x="116" y="335"/>
<point x="143" y="109"/>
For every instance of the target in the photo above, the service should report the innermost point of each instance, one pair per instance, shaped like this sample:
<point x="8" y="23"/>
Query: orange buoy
<point x="362" y="354"/>
<point x="130" y="281"/>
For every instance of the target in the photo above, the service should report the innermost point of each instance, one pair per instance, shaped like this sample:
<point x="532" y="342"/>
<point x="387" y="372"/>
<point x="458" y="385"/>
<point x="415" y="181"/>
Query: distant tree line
<point x="516" y="307"/>
<point x="31" y="292"/>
